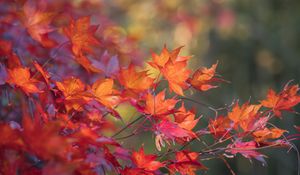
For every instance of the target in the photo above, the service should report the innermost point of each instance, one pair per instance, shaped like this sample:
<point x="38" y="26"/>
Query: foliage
<point x="62" y="80"/>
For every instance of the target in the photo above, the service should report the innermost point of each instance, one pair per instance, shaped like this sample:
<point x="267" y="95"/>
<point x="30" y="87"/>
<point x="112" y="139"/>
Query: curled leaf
<point x="204" y="78"/>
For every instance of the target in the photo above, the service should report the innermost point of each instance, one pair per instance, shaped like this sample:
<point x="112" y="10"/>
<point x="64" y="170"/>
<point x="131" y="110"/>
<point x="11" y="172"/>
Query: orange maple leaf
<point x="185" y="119"/>
<point x="203" y="78"/>
<point x="21" y="78"/>
<point x="135" y="81"/>
<point x="159" y="61"/>
<point x="284" y="100"/>
<point x="158" y="106"/>
<point x="105" y="94"/>
<point x="266" y="133"/>
<point x="146" y="162"/>
<point x="81" y="35"/>
<point x="71" y="86"/>
<point x="173" y="68"/>
<point x="244" y="116"/>
<point x="73" y="90"/>
<point x="37" y="23"/>
<point x="220" y="126"/>
<point x="177" y="75"/>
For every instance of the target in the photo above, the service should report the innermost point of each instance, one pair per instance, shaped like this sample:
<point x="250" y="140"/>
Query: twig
<point x="227" y="164"/>
<point x="127" y="126"/>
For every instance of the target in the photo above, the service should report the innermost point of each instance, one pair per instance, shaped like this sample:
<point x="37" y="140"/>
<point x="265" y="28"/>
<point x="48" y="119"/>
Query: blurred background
<point x="257" y="44"/>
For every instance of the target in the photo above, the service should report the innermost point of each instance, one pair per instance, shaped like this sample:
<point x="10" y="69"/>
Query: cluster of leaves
<point x="61" y="81"/>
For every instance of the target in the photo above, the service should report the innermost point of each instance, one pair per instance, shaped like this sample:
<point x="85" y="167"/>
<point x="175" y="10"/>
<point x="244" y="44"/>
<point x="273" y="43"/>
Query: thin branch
<point x="127" y="126"/>
<point x="227" y="164"/>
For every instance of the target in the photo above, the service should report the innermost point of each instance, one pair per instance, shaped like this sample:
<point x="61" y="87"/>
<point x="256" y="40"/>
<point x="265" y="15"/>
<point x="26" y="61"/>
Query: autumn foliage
<point x="63" y="78"/>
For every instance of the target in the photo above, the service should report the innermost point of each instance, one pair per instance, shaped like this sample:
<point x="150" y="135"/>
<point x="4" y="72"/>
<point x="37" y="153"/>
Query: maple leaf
<point x="186" y="163"/>
<point x="244" y="116"/>
<point x="135" y="81"/>
<point x="173" y="68"/>
<point x="105" y="94"/>
<point x="185" y="119"/>
<point x="204" y="78"/>
<point x="167" y="130"/>
<point x="71" y="87"/>
<point x="158" y="106"/>
<point x="284" y="100"/>
<point x="146" y="162"/>
<point x="176" y="74"/>
<point x="247" y="149"/>
<point x="81" y="35"/>
<point x="73" y="90"/>
<point x="37" y="23"/>
<point x="220" y="126"/>
<point x="159" y="61"/>
<point x="266" y="133"/>
<point x="21" y="78"/>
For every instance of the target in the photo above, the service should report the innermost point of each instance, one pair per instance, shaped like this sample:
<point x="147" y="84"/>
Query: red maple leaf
<point x="170" y="131"/>
<point x="247" y="149"/>
<point x="186" y="163"/>
<point x="146" y="162"/>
